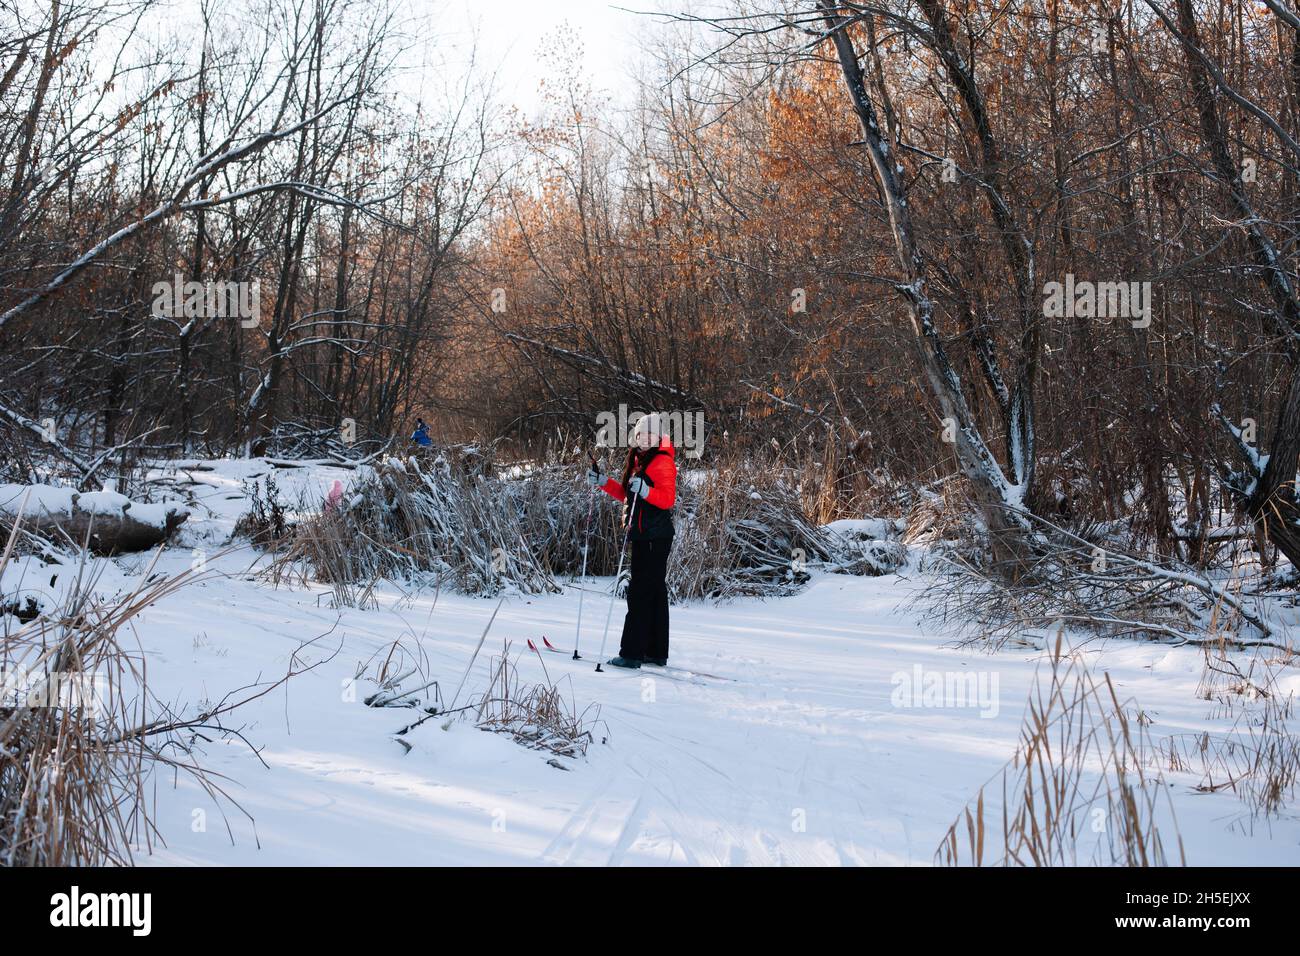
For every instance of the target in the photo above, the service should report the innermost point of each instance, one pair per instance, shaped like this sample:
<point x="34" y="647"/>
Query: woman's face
<point x="643" y="441"/>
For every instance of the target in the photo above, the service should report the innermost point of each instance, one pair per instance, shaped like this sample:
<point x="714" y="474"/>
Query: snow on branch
<point x="206" y="167"/>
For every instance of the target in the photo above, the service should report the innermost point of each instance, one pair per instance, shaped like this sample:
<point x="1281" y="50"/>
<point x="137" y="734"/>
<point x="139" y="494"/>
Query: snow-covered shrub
<point x="940" y="521"/>
<point x="481" y="527"/>
<point x="867" y="546"/>
<point x="1090" y="580"/>
<point x="32" y="584"/>
<point x="442" y="515"/>
<point x="298" y="441"/>
<point x="266" y="522"/>
<point x="743" y="531"/>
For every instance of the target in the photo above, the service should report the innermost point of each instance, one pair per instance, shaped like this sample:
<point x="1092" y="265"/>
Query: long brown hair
<point x="634" y="461"/>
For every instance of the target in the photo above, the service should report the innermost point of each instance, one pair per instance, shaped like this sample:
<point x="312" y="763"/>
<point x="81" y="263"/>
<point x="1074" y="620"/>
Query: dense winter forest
<point x="1017" y="280"/>
<point x="730" y="245"/>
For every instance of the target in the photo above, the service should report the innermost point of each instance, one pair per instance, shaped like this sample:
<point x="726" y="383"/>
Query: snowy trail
<point x="800" y="758"/>
<point x="802" y="755"/>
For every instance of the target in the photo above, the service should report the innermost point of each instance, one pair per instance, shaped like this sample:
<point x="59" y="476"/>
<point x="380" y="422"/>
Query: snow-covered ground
<point x="798" y="750"/>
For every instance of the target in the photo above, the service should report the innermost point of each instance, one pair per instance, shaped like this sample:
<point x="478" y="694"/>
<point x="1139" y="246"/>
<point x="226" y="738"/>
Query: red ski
<point x="548" y="646"/>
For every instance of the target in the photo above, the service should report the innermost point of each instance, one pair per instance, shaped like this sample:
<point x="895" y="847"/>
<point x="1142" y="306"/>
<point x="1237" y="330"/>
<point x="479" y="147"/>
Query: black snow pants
<point x="645" y="628"/>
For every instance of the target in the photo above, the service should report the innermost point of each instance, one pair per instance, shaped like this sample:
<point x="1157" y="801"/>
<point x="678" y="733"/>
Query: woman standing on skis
<point x="648" y="488"/>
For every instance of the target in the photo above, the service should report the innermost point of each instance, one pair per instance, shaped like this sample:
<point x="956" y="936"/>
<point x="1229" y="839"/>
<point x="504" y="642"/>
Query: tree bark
<point x="1270" y="500"/>
<point x="999" y="501"/>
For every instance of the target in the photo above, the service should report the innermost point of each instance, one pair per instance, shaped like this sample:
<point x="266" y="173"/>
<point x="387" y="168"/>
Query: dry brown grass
<point x="80" y="733"/>
<point x="478" y="533"/>
<point x="1078" y="789"/>
<point x="537" y="715"/>
<point x="1258" y="757"/>
<point x="743" y="531"/>
<point x="72" y="768"/>
<point x="480" y="528"/>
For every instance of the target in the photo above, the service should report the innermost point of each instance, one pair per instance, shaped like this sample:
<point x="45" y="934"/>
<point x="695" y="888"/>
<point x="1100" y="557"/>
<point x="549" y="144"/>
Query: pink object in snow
<point x="335" y="493"/>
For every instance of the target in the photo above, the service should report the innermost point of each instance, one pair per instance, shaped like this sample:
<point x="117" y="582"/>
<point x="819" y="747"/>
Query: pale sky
<point x="511" y="32"/>
<point x="506" y="37"/>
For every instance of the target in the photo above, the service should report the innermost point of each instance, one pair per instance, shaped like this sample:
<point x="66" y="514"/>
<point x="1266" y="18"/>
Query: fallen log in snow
<point x="109" y="523"/>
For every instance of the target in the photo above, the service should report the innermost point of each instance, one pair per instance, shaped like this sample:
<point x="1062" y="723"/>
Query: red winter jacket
<point x="654" y="512"/>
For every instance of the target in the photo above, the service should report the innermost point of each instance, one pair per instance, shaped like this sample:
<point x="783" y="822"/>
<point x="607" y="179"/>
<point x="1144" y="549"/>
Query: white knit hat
<point x="647" y="425"/>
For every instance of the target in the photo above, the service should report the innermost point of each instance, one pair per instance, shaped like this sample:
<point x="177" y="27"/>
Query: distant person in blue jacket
<point x="421" y="434"/>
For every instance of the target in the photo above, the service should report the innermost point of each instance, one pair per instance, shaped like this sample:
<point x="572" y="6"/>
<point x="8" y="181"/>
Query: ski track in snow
<point x="798" y="758"/>
<point x="709" y="774"/>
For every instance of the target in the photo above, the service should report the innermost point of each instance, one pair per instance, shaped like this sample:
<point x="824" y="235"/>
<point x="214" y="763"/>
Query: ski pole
<point x="631" y="516"/>
<point x="586" y="546"/>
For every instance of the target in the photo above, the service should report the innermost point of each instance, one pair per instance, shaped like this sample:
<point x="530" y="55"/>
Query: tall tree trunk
<point x="998" y="500"/>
